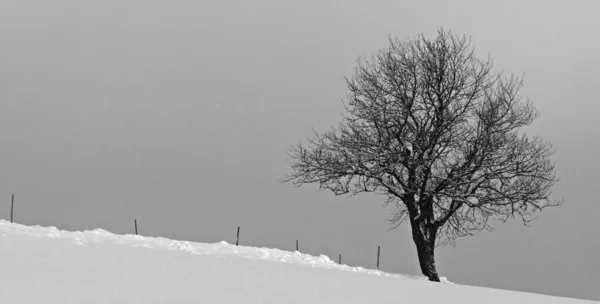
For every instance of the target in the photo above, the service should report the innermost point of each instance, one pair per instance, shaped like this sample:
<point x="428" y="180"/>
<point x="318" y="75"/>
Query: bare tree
<point x="438" y="133"/>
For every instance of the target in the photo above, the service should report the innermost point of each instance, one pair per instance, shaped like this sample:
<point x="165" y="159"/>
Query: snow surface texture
<point x="47" y="265"/>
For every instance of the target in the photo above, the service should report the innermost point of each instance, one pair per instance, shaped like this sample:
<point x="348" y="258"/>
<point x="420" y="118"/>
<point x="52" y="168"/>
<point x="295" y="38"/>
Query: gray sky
<point x="179" y="113"/>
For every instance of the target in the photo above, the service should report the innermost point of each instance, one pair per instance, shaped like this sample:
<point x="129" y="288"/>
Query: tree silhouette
<point x="438" y="133"/>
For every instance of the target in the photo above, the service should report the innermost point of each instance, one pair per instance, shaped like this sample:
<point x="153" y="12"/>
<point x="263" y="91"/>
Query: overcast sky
<point x="179" y="113"/>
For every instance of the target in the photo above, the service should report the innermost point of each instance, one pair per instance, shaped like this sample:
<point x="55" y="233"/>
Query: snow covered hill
<point x="46" y="265"/>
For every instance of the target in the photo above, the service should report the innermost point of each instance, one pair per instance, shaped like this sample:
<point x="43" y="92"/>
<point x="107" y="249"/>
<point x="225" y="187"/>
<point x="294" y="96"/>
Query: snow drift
<point x="47" y="265"/>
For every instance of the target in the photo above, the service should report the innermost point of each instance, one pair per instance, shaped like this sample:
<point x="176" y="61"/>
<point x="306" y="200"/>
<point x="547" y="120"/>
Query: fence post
<point x="135" y="223"/>
<point x="296" y="245"/>
<point x="340" y="259"/>
<point x="378" y="250"/>
<point x="237" y="241"/>
<point x="12" y="206"/>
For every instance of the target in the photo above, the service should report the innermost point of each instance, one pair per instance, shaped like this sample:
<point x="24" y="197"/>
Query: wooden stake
<point x="12" y="206"/>
<point x="340" y="259"/>
<point x="378" y="250"/>
<point x="296" y="245"/>
<point x="135" y="222"/>
<point x="237" y="241"/>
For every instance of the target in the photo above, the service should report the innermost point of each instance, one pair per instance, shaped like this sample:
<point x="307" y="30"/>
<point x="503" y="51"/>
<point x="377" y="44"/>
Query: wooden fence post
<point x="340" y="259"/>
<point x="135" y="223"/>
<point x="12" y="206"/>
<point x="237" y="241"/>
<point x="378" y="250"/>
<point x="296" y="245"/>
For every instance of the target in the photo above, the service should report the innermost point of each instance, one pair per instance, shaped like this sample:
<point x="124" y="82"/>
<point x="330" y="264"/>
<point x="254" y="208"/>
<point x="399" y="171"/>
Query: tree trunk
<point x="424" y="238"/>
